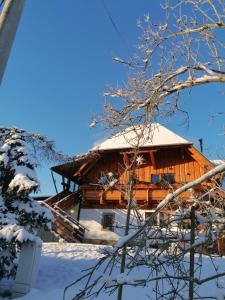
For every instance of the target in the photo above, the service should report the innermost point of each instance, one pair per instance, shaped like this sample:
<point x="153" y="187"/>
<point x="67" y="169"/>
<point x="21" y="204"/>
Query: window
<point x="155" y="178"/>
<point x="168" y="178"/>
<point x="163" y="178"/>
<point x="185" y="224"/>
<point x="106" y="179"/>
<point x="135" y="180"/>
<point x="146" y="158"/>
<point x="103" y="180"/>
<point x="148" y="214"/>
<point x="108" y="221"/>
<point x="164" y="219"/>
<point x="113" y="178"/>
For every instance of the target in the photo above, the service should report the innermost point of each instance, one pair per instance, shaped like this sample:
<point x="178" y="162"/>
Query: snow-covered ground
<point x="62" y="263"/>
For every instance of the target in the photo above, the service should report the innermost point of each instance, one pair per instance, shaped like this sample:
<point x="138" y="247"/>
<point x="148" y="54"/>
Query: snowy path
<point x="61" y="264"/>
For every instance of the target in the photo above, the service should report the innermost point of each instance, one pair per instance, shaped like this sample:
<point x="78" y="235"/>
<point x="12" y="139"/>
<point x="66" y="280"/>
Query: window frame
<point x="149" y="213"/>
<point x="155" y="175"/>
<point x="164" y="218"/>
<point x="163" y="178"/>
<point x="103" y="221"/>
<point x="166" y="180"/>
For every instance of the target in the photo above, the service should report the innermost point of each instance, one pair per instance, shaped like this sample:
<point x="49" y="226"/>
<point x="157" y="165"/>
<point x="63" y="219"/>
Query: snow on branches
<point x="162" y="249"/>
<point x="20" y="215"/>
<point x="183" y="50"/>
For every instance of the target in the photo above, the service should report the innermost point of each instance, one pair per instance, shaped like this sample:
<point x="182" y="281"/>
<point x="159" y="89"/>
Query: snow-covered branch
<point x="169" y="198"/>
<point x="178" y="53"/>
<point x="200" y="29"/>
<point x="157" y="248"/>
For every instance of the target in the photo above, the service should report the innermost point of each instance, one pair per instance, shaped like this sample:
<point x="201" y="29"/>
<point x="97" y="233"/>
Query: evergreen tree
<point x="20" y="215"/>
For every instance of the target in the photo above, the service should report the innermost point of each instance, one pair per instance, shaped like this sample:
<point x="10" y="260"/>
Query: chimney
<point x="201" y="144"/>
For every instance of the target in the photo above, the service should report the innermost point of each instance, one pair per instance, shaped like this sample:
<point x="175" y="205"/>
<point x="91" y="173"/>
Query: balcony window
<point x="155" y="178"/>
<point x="103" y="180"/>
<point x="168" y="178"/>
<point x="110" y="177"/>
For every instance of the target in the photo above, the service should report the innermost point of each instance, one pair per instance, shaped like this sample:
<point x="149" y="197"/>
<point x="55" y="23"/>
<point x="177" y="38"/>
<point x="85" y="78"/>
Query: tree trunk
<point x="123" y="258"/>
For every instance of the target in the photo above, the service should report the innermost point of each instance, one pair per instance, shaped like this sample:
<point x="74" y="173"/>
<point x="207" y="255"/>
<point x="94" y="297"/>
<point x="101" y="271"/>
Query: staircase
<point x="63" y="223"/>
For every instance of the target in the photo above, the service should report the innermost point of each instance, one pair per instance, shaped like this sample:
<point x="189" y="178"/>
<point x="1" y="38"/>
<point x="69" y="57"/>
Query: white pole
<point x="9" y="20"/>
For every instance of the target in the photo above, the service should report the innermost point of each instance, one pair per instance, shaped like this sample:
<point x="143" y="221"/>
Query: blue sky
<point x="61" y="62"/>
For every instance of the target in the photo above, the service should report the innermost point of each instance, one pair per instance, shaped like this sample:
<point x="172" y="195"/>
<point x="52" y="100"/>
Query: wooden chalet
<point x="93" y="201"/>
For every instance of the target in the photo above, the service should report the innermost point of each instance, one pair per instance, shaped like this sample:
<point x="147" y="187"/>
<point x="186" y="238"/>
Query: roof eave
<point x="147" y="146"/>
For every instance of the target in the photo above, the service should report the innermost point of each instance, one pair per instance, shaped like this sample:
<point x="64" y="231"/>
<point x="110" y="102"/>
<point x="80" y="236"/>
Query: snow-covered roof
<point x="217" y="162"/>
<point x="150" y="136"/>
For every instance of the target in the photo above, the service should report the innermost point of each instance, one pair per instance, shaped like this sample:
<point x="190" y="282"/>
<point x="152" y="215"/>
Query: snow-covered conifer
<point x="20" y="214"/>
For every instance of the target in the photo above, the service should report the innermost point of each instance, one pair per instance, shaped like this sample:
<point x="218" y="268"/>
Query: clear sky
<point x="61" y="62"/>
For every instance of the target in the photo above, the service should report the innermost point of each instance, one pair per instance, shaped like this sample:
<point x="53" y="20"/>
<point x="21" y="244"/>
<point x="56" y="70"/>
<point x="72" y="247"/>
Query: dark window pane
<point x="146" y="158"/>
<point x="148" y="214"/>
<point x="155" y="178"/>
<point x="112" y="176"/>
<point x="185" y="224"/>
<point x="108" y="221"/>
<point x="103" y="180"/>
<point x="169" y="178"/>
<point x="164" y="218"/>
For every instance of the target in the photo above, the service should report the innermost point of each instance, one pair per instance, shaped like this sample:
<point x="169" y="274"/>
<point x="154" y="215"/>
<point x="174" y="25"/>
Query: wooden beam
<point x="102" y="198"/>
<point x="78" y="172"/>
<point x="147" y="196"/>
<point x="90" y="166"/>
<point x="152" y="157"/>
<point x="84" y="200"/>
<point x="121" y="198"/>
<point x="200" y="158"/>
<point x="152" y="148"/>
<point x="126" y="160"/>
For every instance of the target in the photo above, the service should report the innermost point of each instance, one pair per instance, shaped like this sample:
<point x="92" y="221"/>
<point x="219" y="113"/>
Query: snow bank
<point x="61" y="264"/>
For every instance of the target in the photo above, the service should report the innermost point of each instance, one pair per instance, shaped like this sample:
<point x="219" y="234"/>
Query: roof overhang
<point x="68" y="169"/>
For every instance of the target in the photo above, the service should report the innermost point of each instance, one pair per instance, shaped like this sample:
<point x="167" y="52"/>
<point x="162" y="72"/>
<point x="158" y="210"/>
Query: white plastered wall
<point x="92" y="219"/>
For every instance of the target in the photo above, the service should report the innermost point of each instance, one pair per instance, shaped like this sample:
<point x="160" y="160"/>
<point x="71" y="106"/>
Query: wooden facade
<point x="95" y="184"/>
<point x="182" y="164"/>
